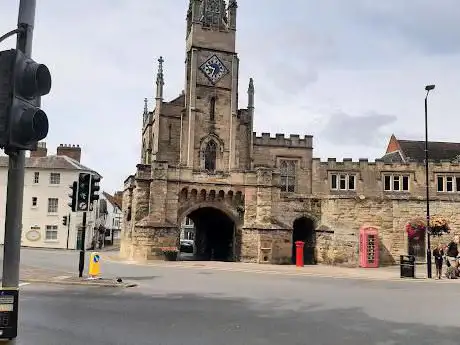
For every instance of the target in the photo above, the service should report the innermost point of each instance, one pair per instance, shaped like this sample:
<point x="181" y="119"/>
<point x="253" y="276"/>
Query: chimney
<point x="41" y="151"/>
<point x="70" y="151"/>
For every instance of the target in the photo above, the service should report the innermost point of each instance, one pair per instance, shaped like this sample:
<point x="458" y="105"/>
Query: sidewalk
<point x="390" y="273"/>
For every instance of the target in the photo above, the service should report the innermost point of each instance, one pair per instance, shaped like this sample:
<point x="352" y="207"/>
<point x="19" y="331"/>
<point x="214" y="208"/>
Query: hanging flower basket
<point x="415" y="228"/>
<point x="438" y="227"/>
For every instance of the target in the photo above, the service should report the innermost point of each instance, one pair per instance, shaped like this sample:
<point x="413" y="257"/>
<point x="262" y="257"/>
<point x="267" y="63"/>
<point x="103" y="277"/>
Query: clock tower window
<point x="210" y="156"/>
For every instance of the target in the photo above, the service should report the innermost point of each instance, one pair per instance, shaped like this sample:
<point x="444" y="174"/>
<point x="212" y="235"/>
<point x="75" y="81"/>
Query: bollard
<point x="94" y="269"/>
<point x="299" y="253"/>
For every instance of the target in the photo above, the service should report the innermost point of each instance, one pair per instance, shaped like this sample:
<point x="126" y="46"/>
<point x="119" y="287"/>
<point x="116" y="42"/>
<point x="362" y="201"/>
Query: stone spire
<point x="160" y="79"/>
<point x="146" y="110"/>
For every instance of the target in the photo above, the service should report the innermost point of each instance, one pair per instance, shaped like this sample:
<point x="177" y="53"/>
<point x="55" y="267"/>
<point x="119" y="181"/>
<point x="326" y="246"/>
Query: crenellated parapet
<point x="281" y="140"/>
<point x="379" y="164"/>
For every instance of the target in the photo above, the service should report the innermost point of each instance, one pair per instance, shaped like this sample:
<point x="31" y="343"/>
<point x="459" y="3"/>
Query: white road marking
<point x="23" y="284"/>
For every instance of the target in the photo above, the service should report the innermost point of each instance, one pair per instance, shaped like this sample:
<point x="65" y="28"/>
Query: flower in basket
<point x="439" y="226"/>
<point x="415" y="228"/>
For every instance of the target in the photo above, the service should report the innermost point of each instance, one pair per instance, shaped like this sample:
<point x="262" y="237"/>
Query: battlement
<point x="279" y="139"/>
<point x="363" y="163"/>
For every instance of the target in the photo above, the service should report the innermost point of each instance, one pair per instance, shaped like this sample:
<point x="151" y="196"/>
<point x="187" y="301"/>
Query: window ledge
<point x="397" y="191"/>
<point x="53" y="213"/>
<point x="51" y="241"/>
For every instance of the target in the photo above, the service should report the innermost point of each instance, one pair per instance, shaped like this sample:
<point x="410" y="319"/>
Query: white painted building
<point x="187" y="230"/>
<point x="46" y="197"/>
<point x="109" y="216"/>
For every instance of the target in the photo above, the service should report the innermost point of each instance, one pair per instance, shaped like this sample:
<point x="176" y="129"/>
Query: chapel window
<point x="210" y="156"/>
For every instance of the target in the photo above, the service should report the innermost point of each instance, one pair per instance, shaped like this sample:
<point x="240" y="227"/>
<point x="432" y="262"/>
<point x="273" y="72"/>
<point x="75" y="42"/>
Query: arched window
<point x="210" y="156"/>
<point x="287" y="172"/>
<point x="212" y="108"/>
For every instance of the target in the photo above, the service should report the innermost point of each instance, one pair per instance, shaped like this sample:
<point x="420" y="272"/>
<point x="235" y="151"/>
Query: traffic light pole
<point x="16" y="164"/>
<point x="81" y="264"/>
<point x="68" y="231"/>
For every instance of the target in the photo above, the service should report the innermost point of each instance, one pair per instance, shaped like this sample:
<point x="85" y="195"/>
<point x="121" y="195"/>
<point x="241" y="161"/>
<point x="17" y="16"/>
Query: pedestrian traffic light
<point x="84" y="180"/>
<point x="95" y="188"/>
<point x="64" y="220"/>
<point x="73" y="196"/>
<point x="22" y="81"/>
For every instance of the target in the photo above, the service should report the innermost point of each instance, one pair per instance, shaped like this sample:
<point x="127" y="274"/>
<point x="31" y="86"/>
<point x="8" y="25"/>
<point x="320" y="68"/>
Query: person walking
<point x="452" y="252"/>
<point x="438" y="254"/>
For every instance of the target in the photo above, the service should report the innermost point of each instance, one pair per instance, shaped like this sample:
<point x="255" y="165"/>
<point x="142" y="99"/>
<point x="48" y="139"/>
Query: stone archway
<point x="303" y="229"/>
<point x="215" y="232"/>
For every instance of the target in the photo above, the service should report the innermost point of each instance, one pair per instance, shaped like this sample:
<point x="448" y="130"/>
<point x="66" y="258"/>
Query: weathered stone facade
<point x="199" y="151"/>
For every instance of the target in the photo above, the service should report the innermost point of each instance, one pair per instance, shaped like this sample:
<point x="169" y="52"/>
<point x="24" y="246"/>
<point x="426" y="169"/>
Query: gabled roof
<point x="113" y="200"/>
<point x="50" y="162"/>
<point x="415" y="150"/>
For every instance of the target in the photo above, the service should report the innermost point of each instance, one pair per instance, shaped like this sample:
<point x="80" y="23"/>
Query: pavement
<point x="389" y="273"/>
<point x="214" y="307"/>
<point x="209" y="303"/>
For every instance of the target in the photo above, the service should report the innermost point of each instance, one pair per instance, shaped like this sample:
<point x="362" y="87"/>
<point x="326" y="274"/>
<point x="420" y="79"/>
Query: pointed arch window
<point x="210" y="156"/>
<point x="287" y="174"/>
<point x="212" y="108"/>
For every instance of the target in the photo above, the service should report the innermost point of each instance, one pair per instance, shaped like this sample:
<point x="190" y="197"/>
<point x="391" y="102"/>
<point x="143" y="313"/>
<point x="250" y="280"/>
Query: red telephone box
<point x="368" y="247"/>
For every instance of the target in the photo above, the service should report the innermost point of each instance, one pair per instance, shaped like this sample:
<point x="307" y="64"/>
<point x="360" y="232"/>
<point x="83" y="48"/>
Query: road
<point x="204" y="307"/>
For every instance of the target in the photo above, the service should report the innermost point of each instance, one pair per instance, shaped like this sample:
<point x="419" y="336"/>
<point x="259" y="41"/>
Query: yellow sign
<point x="94" y="269"/>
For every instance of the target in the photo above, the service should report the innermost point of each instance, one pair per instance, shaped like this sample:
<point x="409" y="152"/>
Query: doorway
<point x="304" y="230"/>
<point x="214" y="235"/>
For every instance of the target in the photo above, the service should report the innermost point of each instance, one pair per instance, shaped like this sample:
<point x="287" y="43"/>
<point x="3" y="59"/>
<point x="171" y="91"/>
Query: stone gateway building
<point x="252" y="197"/>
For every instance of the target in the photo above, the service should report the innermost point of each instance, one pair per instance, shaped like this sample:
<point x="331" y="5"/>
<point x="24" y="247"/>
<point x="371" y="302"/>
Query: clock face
<point x="214" y="69"/>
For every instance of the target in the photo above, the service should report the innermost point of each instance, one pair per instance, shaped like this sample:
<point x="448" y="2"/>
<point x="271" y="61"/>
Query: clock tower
<point x="209" y="123"/>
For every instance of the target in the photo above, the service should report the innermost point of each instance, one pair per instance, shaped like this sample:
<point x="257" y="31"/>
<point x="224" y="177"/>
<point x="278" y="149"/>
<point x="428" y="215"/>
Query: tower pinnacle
<point x="160" y="79"/>
<point x="251" y="94"/>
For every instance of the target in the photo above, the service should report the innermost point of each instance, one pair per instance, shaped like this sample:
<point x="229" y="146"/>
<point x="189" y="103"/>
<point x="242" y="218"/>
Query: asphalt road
<point x="206" y="307"/>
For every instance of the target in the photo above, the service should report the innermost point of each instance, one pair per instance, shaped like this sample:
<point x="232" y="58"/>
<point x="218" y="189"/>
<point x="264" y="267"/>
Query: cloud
<point x="309" y="59"/>
<point x="343" y="129"/>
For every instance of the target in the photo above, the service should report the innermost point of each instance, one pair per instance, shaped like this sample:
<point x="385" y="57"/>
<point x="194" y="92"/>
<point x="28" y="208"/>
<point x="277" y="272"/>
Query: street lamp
<point x="428" y="88"/>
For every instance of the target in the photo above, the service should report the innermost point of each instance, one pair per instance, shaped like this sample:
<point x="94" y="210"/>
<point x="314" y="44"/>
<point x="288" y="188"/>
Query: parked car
<point x="186" y="246"/>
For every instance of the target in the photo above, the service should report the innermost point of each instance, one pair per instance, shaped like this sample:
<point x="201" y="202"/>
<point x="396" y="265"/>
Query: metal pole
<point x="16" y="163"/>
<point x="68" y="231"/>
<point x="428" y="239"/>
<point x="81" y="264"/>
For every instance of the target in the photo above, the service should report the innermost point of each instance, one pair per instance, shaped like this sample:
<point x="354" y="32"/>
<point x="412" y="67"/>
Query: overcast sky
<point x="348" y="72"/>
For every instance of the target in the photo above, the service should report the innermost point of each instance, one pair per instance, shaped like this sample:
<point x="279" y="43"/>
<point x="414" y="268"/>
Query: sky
<point x="350" y="73"/>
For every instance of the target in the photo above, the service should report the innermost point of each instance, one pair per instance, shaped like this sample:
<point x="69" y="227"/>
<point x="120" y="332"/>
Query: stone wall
<point x="345" y="217"/>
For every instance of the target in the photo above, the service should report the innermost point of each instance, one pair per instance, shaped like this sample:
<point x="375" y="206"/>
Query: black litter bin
<point x="407" y="266"/>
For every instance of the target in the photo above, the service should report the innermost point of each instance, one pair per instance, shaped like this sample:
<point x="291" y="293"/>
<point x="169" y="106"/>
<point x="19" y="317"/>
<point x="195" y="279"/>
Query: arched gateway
<point x="215" y="231"/>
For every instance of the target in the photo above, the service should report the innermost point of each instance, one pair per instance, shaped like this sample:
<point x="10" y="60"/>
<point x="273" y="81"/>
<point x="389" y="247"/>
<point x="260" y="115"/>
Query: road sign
<point x="94" y="269"/>
<point x="9" y="313"/>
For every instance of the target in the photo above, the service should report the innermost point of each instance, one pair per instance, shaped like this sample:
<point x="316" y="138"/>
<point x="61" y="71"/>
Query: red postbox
<point x="368" y="247"/>
<point x="299" y="253"/>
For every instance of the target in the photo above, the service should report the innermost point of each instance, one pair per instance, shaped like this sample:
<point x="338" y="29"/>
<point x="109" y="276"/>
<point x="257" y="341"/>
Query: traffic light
<point x="73" y="196"/>
<point x="95" y="188"/>
<point x="84" y="180"/>
<point x="64" y="220"/>
<point x="22" y="81"/>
